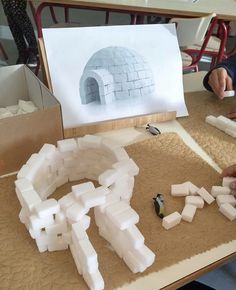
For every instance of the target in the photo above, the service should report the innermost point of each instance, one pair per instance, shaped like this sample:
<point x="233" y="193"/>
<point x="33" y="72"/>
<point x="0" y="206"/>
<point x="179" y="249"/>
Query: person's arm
<point x="230" y="171"/>
<point x="222" y="77"/>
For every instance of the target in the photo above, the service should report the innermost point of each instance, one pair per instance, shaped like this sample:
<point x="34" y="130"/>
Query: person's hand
<point x="232" y="115"/>
<point x="220" y="81"/>
<point x="230" y="171"/>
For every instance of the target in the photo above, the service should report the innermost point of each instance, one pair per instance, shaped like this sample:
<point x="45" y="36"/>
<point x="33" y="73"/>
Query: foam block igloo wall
<point x="57" y="225"/>
<point x="115" y="73"/>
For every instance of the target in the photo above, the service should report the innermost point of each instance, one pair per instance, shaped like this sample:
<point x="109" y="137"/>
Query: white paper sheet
<point x="135" y="70"/>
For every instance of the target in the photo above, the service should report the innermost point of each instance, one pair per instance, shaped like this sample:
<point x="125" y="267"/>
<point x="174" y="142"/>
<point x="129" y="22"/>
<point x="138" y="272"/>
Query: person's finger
<point x="229" y="84"/>
<point x="233" y="185"/>
<point x="217" y="81"/>
<point x="233" y="192"/>
<point x="231" y="115"/>
<point x="229" y="171"/>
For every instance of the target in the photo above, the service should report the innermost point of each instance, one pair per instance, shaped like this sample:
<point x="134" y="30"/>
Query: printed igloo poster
<point x="106" y="73"/>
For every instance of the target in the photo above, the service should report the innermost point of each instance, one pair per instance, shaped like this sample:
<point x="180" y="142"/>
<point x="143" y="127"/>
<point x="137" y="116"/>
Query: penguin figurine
<point x="159" y="205"/>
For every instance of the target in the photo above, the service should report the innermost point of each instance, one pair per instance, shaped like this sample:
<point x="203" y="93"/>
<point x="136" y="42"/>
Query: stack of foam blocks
<point x="57" y="225"/>
<point x="195" y="198"/>
<point x="222" y="123"/>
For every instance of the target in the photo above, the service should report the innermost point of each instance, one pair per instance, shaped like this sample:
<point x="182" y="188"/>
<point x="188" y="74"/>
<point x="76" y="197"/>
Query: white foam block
<point x="127" y="165"/>
<point x="188" y="212"/>
<point x="94" y="280"/>
<point x="35" y="233"/>
<point x="116" y="208"/>
<point x="133" y="263"/>
<point x="42" y="242"/>
<point x="47" y="207"/>
<point x="195" y="200"/>
<point x="219" y="190"/>
<point x="192" y="188"/>
<point x="120" y="154"/>
<point x="57" y="228"/>
<point x="85" y="222"/>
<point x="66" y="201"/>
<point x="134" y="236"/>
<point x="24" y="218"/>
<point x="76" y="211"/>
<point x="78" y="233"/>
<point x="231" y="132"/>
<point x="226" y="199"/>
<point x="222" y="122"/>
<point x="23" y="185"/>
<point x="39" y="223"/>
<point x="76" y="258"/>
<point x="80" y="189"/>
<point x="171" y="220"/>
<point x="93" y="198"/>
<point x="66" y="145"/>
<point x="228" y="210"/>
<point x="48" y="150"/>
<point x="57" y="245"/>
<point x="180" y="189"/>
<point x="208" y="198"/>
<point x="30" y="199"/>
<point x="87" y="253"/>
<point x="13" y="109"/>
<point x="91" y="141"/>
<point x="109" y="176"/>
<point x="227" y="180"/>
<point x="211" y="120"/>
<point x="125" y="219"/>
<point x="228" y="94"/>
<point x="29" y="171"/>
<point x="144" y="255"/>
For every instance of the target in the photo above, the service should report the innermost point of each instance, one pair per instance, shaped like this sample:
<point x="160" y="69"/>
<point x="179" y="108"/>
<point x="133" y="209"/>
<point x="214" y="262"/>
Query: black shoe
<point x="32" y="60"/>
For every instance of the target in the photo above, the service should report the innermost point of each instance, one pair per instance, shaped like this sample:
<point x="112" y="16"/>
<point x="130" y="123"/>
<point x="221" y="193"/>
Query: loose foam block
<point x="195" y="200"/>
<point x="226" y="199"/>
<point x="171" y="220"/>
<point x="219" y="190"/>
<point x="180" y="189"/>
<point x="188" y="212"/>
<point x="206" y="195"/>
<point x="227" y="180"/>
<point x="228" y="210"/>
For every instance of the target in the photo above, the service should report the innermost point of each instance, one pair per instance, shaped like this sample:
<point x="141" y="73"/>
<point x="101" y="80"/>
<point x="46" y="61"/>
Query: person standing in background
<point x="22" y="31"/>
<point x="222" y="78"/>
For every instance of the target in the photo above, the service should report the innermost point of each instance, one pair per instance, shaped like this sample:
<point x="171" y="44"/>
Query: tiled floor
<point x="224" y="278"/>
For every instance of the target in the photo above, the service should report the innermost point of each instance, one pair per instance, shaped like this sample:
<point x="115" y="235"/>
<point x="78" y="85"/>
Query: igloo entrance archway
<point x="120" y="72"/>
<point x="97" y="85"/>
<point x="55" y="225"/>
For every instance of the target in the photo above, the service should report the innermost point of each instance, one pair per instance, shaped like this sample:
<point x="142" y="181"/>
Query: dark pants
<point x="20" y="25"/>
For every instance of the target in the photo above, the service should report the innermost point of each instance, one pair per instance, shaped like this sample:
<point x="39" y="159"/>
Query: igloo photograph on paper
<point x="113" y="72"/>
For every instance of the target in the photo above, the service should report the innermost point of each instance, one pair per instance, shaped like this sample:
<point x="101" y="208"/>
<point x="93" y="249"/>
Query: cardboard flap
<point x="13" y="85"/>
<point x="34" y="88"/>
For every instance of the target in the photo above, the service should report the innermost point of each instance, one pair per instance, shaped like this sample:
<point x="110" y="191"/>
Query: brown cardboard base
<point x="220" y="146"/>
<point x="163" y="160"/>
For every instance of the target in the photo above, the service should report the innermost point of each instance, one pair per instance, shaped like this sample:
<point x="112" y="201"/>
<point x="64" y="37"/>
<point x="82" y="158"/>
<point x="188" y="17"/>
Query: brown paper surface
<point x="163" y="160"/>
<point x="220" y="146"/>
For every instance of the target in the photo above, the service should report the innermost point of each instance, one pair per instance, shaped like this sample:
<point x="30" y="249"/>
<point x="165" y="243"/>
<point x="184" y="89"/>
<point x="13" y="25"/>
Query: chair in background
<point x="231" y="26"/>
<point x="196" y="32"/>
<point x="216" y="46"/>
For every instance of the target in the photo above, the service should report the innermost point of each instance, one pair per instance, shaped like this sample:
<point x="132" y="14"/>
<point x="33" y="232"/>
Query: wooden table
<point x="225" y="9"/>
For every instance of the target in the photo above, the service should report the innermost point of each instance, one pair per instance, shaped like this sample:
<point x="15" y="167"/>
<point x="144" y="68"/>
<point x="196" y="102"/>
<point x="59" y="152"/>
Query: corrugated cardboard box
<point x="24" y="134"/>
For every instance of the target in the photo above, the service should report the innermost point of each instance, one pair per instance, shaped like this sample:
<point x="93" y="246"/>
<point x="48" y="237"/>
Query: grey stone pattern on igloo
<point x="115" y="73"/>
